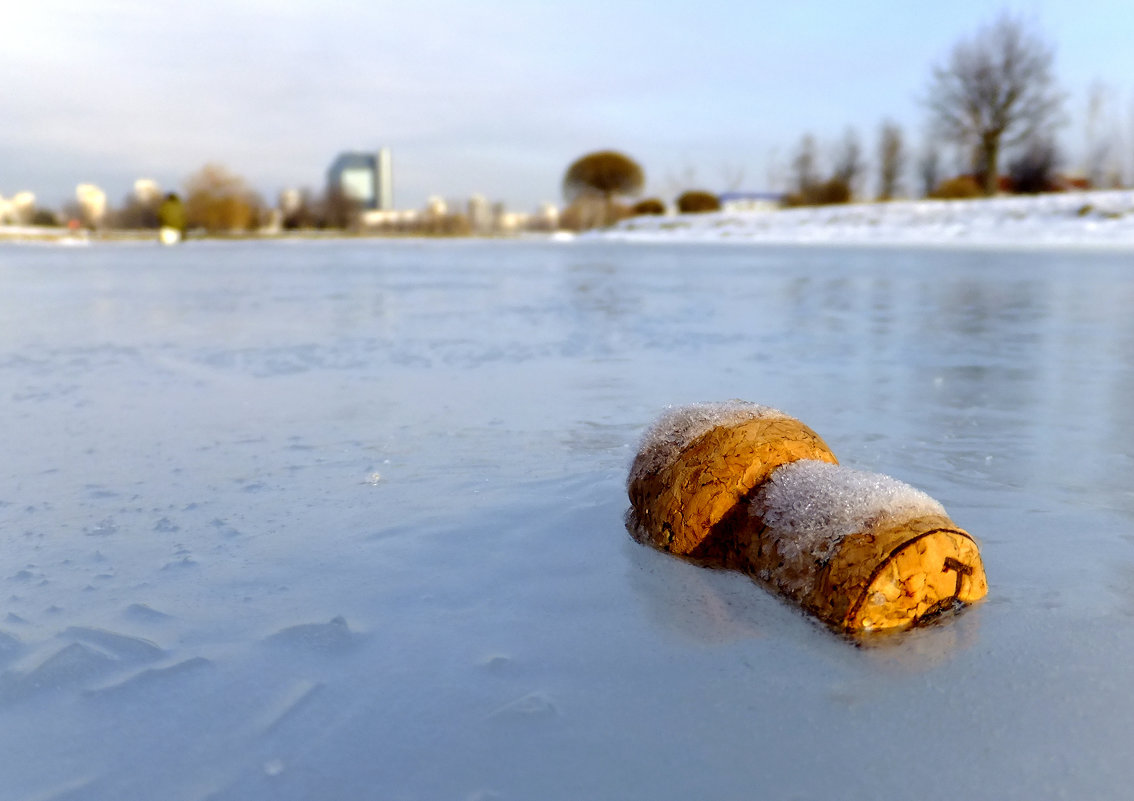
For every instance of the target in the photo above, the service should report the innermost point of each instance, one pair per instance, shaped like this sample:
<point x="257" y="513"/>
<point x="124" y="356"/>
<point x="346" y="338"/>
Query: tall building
<point x="480" y="215"/>
<point x="365" y="178"/>
<point x="92" y="204"/>
<point x="18" y="209"/>
<point x="147" y="192"/>
<point x="385" y="180"/>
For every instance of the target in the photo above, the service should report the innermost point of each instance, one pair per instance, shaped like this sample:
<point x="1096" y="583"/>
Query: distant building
<point x="92" y="204"/>
<point x="363" y="178"/>
<point x="547" y="218"/>
<point x="290" y="202"/>
<point x="147" y="192"/>
<point x="480" y="215"/>
<point x="511" y="222"/>
<point x="18" y="209"/>
<point x="390" y="221"/>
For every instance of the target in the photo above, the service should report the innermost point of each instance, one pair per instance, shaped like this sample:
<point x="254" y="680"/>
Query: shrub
<point x="648" y="206"/>
<point x="831" y="191"/>
<point x="44" y="217"/>
<point x="960" y="188"/>
<point x="835" y="190"/>
<point x="219" y="201"/>
<point x="136" y="214"/>
<point x="446" y="225"/>
<point x="697" y="201"/>
<point x="1033" y="171"/>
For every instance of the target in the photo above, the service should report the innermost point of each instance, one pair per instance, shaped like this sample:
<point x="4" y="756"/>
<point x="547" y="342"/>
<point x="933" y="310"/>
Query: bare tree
<point x="1126" y="145"/>
<point x="803" y="167"/>
<point x="774" y="170"/>
<point x="848" y="160"/>
<point x="807" y="188"/>
<point x="137" y="212"/>
<point x="678" y="181"/>
<point x="929" y="168"/>
<point x="995" y="90"/>
<point x="220" y="201"/>
<point x="732" y="176"/>
<point x="340" y="210"/>
<point x="1103" y="159"/>
<point x="891" y="159"/>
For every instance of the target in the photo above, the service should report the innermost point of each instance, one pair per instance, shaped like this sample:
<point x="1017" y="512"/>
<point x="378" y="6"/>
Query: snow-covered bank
<point x="1088" y="219"/>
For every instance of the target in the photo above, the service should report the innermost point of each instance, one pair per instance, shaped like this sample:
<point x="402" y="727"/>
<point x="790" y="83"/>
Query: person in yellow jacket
<point x="171" y="218"/>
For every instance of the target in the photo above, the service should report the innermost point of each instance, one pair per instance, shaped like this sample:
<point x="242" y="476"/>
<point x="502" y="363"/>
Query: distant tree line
<point x="994" y="94"/>
<point x="218" y="202"/>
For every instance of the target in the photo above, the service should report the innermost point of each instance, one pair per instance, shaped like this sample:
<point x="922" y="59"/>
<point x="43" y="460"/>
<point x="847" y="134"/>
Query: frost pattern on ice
<point x="332" y="636"/>
<point x="679" y="426"/>
<point x="811" y="506"/>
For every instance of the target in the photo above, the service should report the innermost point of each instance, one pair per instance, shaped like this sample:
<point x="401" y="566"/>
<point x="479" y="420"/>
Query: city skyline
<point x="494" y="99"/>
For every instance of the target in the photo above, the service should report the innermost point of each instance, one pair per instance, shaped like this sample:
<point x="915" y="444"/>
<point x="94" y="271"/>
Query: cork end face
<point x="933" y="573"/>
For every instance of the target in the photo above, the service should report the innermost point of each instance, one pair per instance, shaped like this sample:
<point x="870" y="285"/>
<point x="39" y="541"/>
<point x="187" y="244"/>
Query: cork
<point x="861" y="551"/>
<point x="697" y="466"/>
<point x="752" y="489"/>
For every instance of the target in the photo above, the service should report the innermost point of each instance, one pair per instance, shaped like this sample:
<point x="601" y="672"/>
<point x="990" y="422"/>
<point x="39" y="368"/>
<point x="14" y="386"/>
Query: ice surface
<point x="221" y="406"/>
<point x="9" y="647"/>
<point x="814" y="505"/>
<point x="678" y="427"/>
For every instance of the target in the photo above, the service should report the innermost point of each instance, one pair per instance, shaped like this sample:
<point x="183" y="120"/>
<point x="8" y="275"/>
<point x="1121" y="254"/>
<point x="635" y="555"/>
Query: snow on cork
<point x="664" y="441"/>
<point x="813" y="505"/>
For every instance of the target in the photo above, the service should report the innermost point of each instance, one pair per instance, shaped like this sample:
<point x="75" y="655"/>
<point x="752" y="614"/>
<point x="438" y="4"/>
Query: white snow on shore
<point x="1080" y="219"/>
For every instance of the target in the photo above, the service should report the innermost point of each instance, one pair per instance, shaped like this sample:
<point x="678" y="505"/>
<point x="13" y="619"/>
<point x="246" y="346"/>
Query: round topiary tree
<point x="595" y="180"/>
<point x="697" y="201"/>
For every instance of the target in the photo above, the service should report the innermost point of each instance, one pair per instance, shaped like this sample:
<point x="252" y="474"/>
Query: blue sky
<point x="495" y="97"/>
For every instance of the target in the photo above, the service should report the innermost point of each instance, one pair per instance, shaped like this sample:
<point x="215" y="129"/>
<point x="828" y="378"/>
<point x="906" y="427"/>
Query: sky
<point x="495" y="97"/>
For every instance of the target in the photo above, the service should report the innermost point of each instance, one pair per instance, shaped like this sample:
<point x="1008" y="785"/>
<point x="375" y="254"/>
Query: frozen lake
<point x="343" y="520"/>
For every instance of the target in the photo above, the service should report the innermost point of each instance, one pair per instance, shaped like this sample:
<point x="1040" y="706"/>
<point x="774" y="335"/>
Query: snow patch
<point x="680" y="426"/>
<point x="813" y="505"/>
<point x="1079" y="219"/>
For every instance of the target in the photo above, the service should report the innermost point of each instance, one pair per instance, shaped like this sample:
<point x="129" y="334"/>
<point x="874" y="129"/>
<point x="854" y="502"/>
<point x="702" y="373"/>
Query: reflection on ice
<point x="703" y="606"/>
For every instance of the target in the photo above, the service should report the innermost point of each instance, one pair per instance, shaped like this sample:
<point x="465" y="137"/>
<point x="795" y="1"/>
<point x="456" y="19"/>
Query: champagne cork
<point x="699" y="463"/>
<point x="747" y="487"/>
<point x="861" y="551"/>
